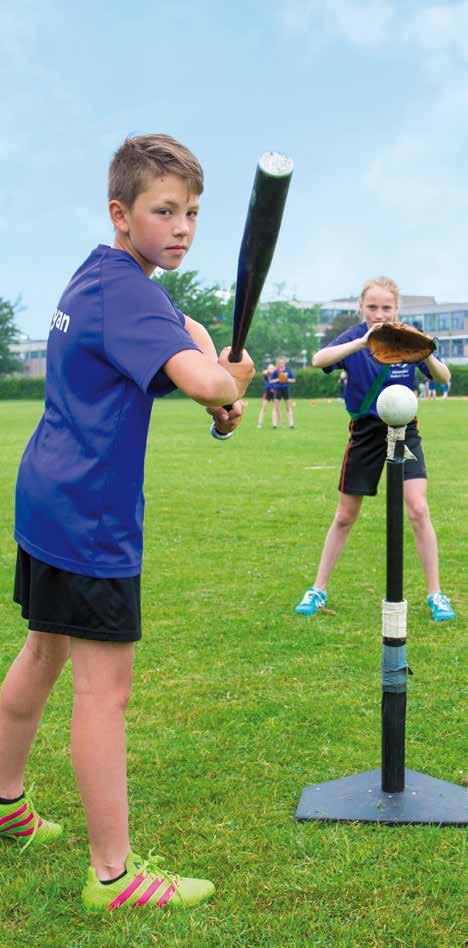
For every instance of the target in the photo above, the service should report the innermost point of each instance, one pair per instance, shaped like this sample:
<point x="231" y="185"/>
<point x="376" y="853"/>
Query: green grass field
<point x="238" y="703"/>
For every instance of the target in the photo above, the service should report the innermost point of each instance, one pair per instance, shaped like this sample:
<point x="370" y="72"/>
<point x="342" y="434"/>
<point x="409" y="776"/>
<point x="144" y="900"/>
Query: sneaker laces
<point x="441" y="600"/>
<point x="312" y="594"/>
<point x="151" y="866"/>
<point x="27" y="797"/>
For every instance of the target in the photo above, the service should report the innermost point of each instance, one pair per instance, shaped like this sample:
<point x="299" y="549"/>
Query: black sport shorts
<point x="366" y="452"/>
<point x="86" y="607"/>
<point x="268" y="395"/>
<point x="282" y="393"/>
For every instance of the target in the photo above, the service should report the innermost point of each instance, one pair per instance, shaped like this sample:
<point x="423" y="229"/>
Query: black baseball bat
<point x="262" y="226"/>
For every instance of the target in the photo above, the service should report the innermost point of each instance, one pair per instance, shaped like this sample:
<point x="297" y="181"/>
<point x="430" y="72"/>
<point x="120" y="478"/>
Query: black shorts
<point x="86" y="607"/>
<point x="282" y="393"/>
<point x="366" y="453"/>
<point x="268" y="395"/>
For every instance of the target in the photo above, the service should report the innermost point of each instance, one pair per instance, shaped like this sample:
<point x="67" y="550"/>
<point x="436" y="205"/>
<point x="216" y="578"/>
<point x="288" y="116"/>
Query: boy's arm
<point x="225" y="421"/>
<point x="201" y="338"/>
<point x="212" y="384"/>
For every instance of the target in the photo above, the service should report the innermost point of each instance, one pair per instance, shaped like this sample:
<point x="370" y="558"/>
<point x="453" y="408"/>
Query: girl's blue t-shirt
<point x="79" y="494"/>
<point x="362" y="370"/>
<point x="275" y="378"/>
<point x="268" y="381"/>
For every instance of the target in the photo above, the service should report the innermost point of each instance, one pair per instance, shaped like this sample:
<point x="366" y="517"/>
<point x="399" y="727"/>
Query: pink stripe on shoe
<point x="126" y="893"/>
<point x="171" y="889"/>
<point x="19" y="823"/>
<point x="12" y="816"/>
<point x="156" y="884"/>
<point x="29" y="832"/>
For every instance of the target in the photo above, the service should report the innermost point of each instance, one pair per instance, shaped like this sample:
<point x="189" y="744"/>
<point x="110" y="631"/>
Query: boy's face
<point x="378" y="306"/>
<point x="159" y="229"/>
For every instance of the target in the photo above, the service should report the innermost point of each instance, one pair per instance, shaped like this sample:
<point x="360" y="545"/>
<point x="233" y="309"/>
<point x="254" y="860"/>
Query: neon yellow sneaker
<point x="20" y="821"/>
<point x="146" y="885"/>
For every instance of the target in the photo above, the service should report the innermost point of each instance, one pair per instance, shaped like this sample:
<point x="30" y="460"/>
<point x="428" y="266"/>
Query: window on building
<point x="458" y="320"/>
<point x="444" y="320"/>
<point x="444" y="348"/>
<point x="457" y="347"/>
<point x="417" y="323"/>
<point x="432" y="322"/>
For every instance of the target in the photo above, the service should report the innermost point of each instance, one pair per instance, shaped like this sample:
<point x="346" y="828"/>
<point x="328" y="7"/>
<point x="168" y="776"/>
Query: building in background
<point x="32" y="353"/>
<point x="447" y="321"/>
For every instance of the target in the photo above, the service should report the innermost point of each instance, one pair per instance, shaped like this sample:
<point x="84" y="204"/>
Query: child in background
<point x="283" y="377"/>
<point x="342" y="384"/>
<point x="117" y="343"/>
<point x="268" y="393"/>
<point x="366" y="451"/>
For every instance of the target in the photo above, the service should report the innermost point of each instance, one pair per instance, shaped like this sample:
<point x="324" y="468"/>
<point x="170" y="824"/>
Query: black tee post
<point x="394" y="666"/>
<point x="380" y="795"/>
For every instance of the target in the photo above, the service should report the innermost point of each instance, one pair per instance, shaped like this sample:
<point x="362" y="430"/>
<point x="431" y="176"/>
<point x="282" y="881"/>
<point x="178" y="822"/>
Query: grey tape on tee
<point x="394" y="668"/>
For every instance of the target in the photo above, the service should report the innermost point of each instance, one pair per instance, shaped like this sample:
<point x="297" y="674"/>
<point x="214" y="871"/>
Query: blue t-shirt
<point x="79" y="494"/>
<point x="363" y="369"/>
<point x="275" y="378"/>
<point x="268" y="382"/>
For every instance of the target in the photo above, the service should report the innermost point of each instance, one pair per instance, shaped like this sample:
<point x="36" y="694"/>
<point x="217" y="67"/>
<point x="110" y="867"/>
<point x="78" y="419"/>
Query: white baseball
<point x="397" y="405"/>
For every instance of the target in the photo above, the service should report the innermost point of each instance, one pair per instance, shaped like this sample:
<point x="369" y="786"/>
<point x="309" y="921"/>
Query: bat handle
<point x="218" y="434"/>
<point x="235" y="355"/>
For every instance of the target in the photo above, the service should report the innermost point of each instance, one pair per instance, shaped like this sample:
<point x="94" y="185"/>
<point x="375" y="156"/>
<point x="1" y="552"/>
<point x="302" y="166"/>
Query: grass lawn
<point x="238" y="703"/>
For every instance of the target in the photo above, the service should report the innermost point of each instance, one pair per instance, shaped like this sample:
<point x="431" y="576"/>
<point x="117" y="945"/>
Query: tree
<point x="340" y="324"/>
<point x="206" y="305"/>
<point x="277" y="328"/>
<point x="9" y="333"/>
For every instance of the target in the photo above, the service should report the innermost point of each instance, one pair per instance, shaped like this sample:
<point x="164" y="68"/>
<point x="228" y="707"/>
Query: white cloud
<point x="440" y="29"/>
<point x="415" y="183"/>
<point x="437" y="29"/>
<point x="360" y="22"/>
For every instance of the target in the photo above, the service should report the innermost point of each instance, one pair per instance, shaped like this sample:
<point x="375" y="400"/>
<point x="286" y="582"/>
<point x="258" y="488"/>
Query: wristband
<point x="218" y="434"/>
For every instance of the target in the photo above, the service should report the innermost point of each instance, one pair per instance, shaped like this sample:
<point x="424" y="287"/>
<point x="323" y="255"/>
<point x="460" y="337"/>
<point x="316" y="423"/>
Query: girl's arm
<point x="440" y="372"/>
<point x="331" y="354"/>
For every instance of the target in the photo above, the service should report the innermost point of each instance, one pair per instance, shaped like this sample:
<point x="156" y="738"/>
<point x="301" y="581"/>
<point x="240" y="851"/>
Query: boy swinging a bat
<point x="117" y="343"/>
<point x="366" y="450"/>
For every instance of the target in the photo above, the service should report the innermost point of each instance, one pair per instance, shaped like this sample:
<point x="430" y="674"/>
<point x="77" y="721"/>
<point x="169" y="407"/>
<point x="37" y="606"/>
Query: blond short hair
<point x="151" y="156"/>
<point x="385" y="283"/>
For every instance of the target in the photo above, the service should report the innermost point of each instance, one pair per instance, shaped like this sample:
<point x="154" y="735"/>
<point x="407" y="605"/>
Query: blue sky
<point x="369" y="97"/>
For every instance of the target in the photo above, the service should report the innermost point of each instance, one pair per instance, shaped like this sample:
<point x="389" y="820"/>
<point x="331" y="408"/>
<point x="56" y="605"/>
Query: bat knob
<point x="219" y="435"/>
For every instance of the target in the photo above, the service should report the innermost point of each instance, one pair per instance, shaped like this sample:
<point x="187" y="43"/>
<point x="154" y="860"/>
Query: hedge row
<point x="21" y="387"/>
<point x="310" y="383"/>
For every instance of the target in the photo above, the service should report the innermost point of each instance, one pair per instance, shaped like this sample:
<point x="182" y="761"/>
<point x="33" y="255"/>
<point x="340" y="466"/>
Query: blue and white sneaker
<point x="441" y="607"/>
<point x="312" y="600"/>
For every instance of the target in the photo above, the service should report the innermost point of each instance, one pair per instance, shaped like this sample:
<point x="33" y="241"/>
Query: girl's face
<point x="378" y="306"/>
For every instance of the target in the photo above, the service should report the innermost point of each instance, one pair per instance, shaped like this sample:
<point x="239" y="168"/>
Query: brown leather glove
<point x="396" y="342"/>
